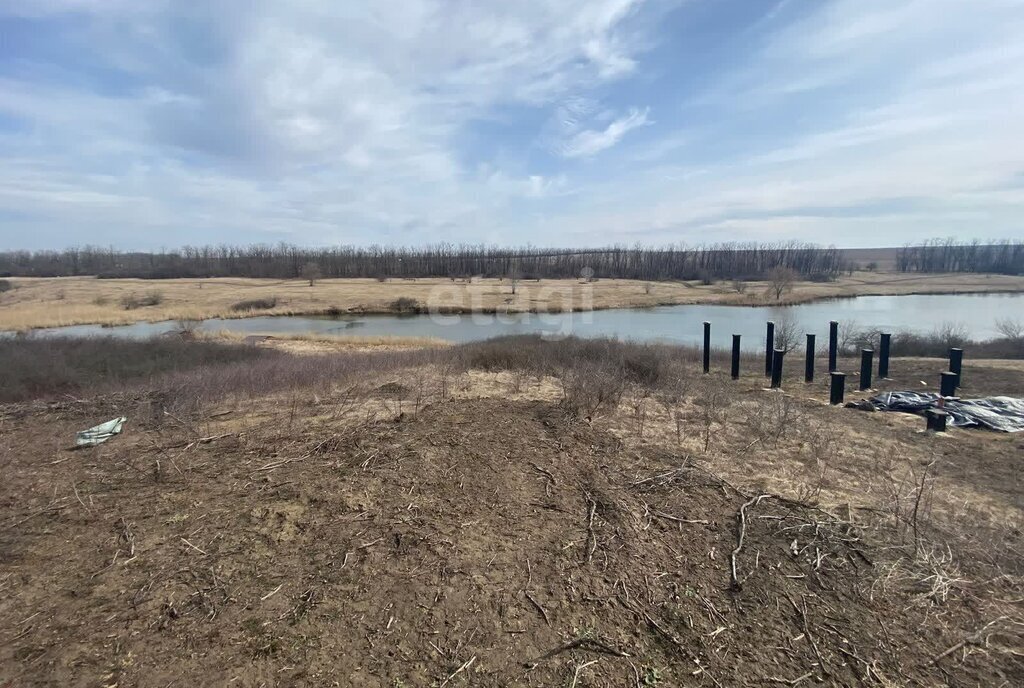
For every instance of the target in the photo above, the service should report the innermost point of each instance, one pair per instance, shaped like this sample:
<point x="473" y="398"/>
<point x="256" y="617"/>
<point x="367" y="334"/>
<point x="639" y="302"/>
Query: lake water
<point x="978" y="313"/>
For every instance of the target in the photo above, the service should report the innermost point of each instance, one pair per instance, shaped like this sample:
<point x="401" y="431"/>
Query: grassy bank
<point x="54" y="302"/>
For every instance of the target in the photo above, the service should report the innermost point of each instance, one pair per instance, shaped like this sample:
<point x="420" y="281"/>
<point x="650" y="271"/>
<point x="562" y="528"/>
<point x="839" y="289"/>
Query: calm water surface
<point x="676" y="324"/>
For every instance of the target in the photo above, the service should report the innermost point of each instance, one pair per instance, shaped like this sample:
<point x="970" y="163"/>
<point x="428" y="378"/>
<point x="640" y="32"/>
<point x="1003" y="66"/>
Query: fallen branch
<point x="742" y="518"/>
<point x="975" y="638"/>
<point x="586" y="643"/>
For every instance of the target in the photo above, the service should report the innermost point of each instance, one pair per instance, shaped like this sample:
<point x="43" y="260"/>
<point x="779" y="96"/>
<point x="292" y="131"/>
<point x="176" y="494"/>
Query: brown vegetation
<point x="36" y="302"/>
<point x="485" y="515"/>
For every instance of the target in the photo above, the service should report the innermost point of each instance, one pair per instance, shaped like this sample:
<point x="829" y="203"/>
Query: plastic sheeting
<point x="100" y="433"/>
<point x="1005" y="414"/>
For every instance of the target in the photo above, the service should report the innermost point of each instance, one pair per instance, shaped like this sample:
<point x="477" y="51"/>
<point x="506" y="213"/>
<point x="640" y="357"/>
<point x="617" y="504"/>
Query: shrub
<point x="48" y="366"/>
<point x="404" y="304"/>
<point x="150" y="298"/>
<point x="255" y="304"/>
<point x="6" y="285"/>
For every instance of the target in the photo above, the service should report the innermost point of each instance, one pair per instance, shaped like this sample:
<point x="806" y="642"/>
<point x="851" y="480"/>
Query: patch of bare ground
<point x="412" y="537"/>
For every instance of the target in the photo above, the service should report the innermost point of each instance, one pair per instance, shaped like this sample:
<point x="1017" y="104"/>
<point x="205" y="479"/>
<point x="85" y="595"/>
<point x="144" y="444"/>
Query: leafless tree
<point x="1012" y="329"/>
<point x="311" y="272"/>
<point x="781" y="280"/>
<point x="708" y="263"/>
<point x="787" y="332"/>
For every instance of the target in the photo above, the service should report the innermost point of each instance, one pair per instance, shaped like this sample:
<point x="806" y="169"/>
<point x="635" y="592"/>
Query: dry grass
<point x="319" y="342"/>
<point x="54" y="302"/>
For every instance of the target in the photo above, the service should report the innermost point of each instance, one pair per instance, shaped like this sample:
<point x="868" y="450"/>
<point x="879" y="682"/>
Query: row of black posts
<point x="773" y="360"/>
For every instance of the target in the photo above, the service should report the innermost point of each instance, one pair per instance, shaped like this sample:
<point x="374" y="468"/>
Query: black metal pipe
<point x="707" y="346"/>
<point x="809" y="359"/>
<point x="735" y="357"/>
<point x="936" y="419"/>
<point x="867" y="359"/>
<point x="838" y="387"/>
<point x="777" y="357"/>
<point x="956" y="359"/>
<point x="769" y="347"/>
<point x="833" y="345"/>
<point x="947" y="384"/>
<point x="884" y="344"/>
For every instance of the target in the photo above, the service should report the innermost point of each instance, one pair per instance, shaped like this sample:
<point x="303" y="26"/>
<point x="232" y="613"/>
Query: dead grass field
<point x="447" y="527"/>
<point x="54" y="302"/>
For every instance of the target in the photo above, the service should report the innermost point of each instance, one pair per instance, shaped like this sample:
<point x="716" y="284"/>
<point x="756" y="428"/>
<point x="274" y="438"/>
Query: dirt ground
<point x="53" y="302"/>
<point x="482" y="537"/>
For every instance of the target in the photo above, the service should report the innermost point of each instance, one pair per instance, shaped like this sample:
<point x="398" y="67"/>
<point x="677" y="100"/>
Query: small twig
<point x="972" y="639"/>
<point x="192" y="546"/>
<point x="591" y="538"/>
<point x="538" y="606"/>
<point x="795" y="681"/>
<point x="79" y="498"/>
<point x="271" y="593"/>
<point x="742" y="518"/>
<point x="669" y="517"/>
<point x="579" y="668"/>
<point x="457" y="672"/>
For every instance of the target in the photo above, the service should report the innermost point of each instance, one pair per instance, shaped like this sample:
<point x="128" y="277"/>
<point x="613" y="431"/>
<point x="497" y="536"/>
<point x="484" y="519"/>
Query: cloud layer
<point x="152" y="123"/>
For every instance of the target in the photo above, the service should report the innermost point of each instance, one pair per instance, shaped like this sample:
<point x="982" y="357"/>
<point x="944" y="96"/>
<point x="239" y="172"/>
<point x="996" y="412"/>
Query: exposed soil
<point x="479" y="542"/>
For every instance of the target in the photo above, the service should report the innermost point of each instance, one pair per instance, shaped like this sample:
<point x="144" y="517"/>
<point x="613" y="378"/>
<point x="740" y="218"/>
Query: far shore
<point x="57" y="302"/>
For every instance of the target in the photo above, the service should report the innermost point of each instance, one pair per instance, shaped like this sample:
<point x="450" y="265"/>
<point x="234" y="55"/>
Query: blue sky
<point x="159" y="123"/>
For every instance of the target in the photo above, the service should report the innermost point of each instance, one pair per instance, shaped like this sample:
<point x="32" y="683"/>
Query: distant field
<point x="53" y="302"/>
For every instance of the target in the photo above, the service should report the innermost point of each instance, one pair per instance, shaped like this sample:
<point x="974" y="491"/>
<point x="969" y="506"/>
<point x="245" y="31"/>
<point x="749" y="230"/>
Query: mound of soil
<point x="479" y="543"/>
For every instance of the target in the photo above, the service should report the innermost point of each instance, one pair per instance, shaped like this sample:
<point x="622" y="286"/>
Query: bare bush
<point x="1012" y="329"/>
<point x="772" y="418"/>
<point x="637" y="397"/>
<point x="255" y="304"/>
<point x="404" y="304"/>
<point x="713" y="400"/>
<point x="591" y="387"/>
<point x="6" y="285"/>
<point x="151" y="298"/>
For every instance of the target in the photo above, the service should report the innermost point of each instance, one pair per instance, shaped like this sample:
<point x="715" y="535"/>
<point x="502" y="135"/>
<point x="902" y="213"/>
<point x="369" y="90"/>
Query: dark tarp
<point x="1005" y="414"/>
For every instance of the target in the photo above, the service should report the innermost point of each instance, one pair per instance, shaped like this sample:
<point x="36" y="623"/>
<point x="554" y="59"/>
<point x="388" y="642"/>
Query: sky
<point x="149" y="124"/>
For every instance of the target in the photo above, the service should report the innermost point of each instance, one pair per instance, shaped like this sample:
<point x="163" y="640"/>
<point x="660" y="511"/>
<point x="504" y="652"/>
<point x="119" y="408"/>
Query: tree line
<point x="950" y="255"/>
<point x="718" y="261"/>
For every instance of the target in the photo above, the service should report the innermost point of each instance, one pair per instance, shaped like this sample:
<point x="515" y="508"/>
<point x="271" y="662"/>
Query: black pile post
<point x="947" y="384"/>
<point x="707" y="346"/>
<point x="735" y="357"/>
<point x="936" y="419"/>
<point x="885" y="341"/>
<point x="833" y="345"/>
<point x="956" y="359"/>
<point x="867" y="357"/>
<point x="777" y="356"/>
<point x="837" y="388"/>
<point x="809" y="359"/>
<point x="769" y="347"/>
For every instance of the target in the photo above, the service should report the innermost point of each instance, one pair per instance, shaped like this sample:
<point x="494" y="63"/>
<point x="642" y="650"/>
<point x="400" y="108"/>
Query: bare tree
<point x="787" y="332"/>
<point x="781" y="280"/>
<point x="1011" y="329"/>
<point x="311" y="272"/>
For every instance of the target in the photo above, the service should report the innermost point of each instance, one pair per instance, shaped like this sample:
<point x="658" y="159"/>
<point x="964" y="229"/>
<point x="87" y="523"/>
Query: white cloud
<point x="590" y="142"/>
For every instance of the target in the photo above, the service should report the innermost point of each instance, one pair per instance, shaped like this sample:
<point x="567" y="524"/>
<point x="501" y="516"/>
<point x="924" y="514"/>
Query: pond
<point x="977" y="313"/>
